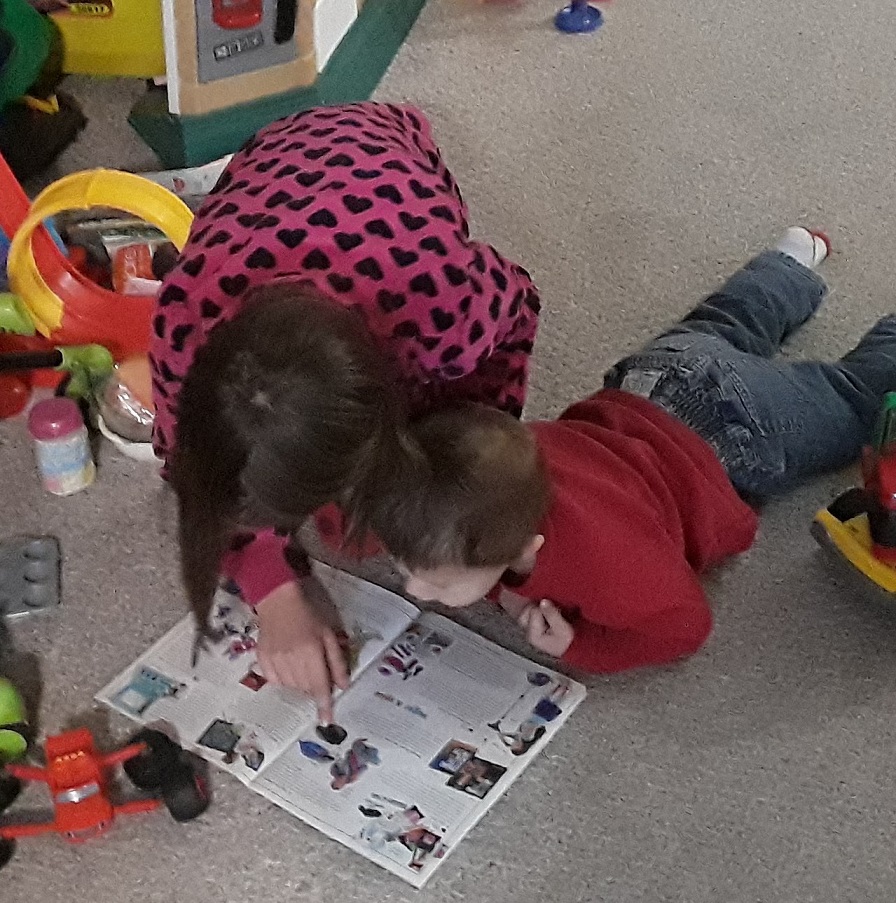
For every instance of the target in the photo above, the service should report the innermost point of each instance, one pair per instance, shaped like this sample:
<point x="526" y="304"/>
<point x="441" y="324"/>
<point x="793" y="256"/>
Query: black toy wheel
<point x="7" y="849"/>
<point x="185" y="792"/>
<point x="9" y="789"/>
<point x="148" y="771"/>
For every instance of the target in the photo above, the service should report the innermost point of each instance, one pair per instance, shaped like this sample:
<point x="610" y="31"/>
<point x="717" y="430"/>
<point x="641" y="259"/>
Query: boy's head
<point x="470" y="508"/>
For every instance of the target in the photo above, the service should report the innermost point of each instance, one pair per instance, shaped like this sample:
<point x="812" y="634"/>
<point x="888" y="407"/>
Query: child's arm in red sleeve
<point x="658" y="614"/>
<point x="666" y="637"/>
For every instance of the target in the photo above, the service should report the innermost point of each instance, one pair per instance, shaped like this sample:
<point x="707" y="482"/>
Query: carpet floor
<point x="630" y="171"/>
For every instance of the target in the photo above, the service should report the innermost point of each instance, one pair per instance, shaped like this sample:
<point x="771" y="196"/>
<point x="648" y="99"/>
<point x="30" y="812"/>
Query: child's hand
<point x="297" y="650"/>
<point x="513" y="604"/>
<point x="546" y="628"/>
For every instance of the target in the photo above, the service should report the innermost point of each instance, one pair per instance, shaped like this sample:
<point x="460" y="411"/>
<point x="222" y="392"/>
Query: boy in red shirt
<point x="592" y="529"/>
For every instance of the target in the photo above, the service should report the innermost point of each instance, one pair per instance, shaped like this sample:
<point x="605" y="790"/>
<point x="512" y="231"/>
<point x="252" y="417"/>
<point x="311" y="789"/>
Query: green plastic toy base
<point x="352" y="73"/>
<point x="32" y="38"/>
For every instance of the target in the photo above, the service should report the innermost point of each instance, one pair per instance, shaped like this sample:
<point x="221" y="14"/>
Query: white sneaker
<point x="808" y="246"/>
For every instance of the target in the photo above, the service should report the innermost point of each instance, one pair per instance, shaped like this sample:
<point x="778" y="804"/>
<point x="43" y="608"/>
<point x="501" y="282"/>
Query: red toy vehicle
<point x="78" y="778"/>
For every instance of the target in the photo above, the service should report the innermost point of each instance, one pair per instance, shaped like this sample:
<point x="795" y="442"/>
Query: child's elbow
<point x="695" y="633"/>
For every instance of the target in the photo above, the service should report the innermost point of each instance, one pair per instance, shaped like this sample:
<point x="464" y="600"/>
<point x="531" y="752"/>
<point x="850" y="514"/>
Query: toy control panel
<point x="30" y="574"/>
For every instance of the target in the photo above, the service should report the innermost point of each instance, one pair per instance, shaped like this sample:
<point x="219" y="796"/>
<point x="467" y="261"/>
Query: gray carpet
<point x="629" y="171"/>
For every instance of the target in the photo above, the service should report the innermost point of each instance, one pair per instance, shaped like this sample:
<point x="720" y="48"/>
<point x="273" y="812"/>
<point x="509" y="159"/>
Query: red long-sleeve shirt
<point x="640" y="506"/>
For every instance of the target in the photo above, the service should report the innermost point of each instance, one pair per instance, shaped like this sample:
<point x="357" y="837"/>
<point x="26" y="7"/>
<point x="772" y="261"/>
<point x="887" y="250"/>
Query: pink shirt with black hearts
<point x="356" y="202"/>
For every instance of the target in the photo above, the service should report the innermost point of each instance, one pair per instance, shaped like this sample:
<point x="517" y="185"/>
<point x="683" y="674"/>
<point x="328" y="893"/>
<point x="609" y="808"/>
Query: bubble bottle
<point x="61" y="446"/>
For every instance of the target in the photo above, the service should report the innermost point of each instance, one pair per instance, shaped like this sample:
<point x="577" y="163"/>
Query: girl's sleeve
<point x="485" y="357"/>
<point x="261" y="562"/>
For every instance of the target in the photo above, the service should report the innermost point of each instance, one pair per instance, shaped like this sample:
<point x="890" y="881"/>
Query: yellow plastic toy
<point x="112" y="37"/>
<point x="65" y="305"/>
<point x="850" y="540"/>
<point x="859" y="526"/>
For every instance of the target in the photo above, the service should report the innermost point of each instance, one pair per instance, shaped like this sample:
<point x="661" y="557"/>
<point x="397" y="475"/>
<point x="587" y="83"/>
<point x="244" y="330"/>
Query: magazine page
<point x="224" y="709"/>
<point x="423" y="744"/>
<point x="369" y="616"/>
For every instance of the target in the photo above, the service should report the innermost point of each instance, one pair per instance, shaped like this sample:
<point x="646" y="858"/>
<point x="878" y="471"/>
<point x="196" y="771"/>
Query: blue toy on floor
<point x="578" y="18"/>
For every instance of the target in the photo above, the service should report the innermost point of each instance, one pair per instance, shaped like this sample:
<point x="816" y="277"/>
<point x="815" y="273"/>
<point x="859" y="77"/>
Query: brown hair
<point x="287" y="406"/>
<point x="474" y="497"/>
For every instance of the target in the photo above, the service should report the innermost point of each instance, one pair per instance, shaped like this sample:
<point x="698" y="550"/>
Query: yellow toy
<point x="66" y="306"/>
<point x="112" y="37"/>
<point x="860" y="525"/>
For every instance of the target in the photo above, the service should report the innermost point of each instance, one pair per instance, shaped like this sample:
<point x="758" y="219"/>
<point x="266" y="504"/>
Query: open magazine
<point x="436" y="725"/>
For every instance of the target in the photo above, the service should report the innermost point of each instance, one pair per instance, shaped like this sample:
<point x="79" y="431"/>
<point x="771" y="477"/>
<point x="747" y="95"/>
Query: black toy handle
<point x="285" y="23"/>
<point x="15" y="361"/>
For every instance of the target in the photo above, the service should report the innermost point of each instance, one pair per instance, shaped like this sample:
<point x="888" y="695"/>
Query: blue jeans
<point x="772" y="423"/>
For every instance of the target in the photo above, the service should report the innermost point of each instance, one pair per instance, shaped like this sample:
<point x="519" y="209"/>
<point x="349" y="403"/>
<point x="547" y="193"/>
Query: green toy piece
<point x="13" y="723"/>
<point x="885" y="427"/>
<point x="89" y="366"/>
<point x="13" y="316"/>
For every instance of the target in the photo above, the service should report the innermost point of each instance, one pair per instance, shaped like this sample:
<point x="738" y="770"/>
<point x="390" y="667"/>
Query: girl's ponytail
<point x="288" y="406"/>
